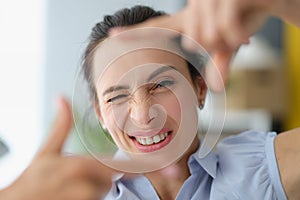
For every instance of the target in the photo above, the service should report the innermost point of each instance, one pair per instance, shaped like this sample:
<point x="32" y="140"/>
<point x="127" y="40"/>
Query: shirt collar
<point x="207" y="162"/>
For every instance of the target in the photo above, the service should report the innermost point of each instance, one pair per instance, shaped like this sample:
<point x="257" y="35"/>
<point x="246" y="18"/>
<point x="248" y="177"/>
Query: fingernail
<point x="214" y="80"/>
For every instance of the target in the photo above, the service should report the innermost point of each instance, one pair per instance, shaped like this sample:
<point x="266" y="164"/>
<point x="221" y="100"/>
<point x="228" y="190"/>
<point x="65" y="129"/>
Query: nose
<point x="139" y="108"/>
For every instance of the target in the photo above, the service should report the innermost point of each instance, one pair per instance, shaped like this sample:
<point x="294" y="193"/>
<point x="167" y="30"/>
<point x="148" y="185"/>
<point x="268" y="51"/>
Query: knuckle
<point x="74" y="169"/>
<point x="212" y="38"/>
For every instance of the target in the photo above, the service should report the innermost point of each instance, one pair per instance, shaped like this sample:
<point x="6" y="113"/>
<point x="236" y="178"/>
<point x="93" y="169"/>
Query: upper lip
<point x="148" y="133"/>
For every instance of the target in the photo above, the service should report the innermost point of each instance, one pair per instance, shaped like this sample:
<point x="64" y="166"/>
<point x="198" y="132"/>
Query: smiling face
<point x="141" y="96"/>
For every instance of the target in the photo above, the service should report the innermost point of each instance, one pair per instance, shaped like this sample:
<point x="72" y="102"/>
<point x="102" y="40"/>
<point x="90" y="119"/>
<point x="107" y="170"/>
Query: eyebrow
<point x="152" y="75"/>
<point x="115" y="88"/>
<point x="159" y="71"/>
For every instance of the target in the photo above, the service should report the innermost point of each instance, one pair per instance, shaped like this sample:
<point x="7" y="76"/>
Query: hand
<point x="53" y="176"/>
<point x="220" y="26"/>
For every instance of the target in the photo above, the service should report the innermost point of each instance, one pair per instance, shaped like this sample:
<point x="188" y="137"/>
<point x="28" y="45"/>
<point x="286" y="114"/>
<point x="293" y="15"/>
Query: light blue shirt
<point x="243" y="167"/>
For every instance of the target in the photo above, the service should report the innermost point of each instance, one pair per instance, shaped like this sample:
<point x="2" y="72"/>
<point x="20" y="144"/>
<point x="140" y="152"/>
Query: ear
<point x="200" y="89"/>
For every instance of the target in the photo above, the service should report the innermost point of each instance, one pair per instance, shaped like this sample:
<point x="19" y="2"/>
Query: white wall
<point x="21" y="53"/>
<point x="41" y="45"/>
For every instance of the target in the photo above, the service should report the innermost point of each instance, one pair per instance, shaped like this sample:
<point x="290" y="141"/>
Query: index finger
<point x="61" y="128"/>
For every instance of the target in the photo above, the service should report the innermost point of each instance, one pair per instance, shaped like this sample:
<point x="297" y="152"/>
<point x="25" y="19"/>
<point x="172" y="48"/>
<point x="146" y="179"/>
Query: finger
<point x="243" y="18"/>
<point x="61" y="128"/>
<point x="201" y="26"/>
<point x="193" y="25"/>
<point x="229" y="23"/>
<point x="210" y="33"/>
<point x="218" y="68"/>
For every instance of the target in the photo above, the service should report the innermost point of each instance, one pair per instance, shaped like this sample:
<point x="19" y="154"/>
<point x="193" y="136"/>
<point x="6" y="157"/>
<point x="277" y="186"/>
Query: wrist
<point x="278" y="8"/>
<point x="7" y="194"/>
<point x="11" y="193"/>
<point x="287" y="10"/>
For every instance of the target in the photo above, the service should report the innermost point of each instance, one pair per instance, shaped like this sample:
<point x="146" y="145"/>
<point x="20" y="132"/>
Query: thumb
<point x="61" y="128"/>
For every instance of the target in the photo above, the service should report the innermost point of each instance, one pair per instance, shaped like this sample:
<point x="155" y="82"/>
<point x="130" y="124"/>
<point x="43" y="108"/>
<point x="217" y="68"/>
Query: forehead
<point x="137" y="64"/>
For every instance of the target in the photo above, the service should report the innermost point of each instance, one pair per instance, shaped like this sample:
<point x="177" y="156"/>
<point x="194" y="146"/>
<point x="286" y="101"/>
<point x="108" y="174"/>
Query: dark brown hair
<point x="100" y="31"/>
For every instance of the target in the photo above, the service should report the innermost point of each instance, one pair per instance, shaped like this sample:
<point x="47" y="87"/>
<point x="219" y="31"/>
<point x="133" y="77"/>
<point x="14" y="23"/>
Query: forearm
<point x="10" y="194"/>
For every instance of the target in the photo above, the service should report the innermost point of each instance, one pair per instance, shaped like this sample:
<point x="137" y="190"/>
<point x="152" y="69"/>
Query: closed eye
<point x="116" y="98"/>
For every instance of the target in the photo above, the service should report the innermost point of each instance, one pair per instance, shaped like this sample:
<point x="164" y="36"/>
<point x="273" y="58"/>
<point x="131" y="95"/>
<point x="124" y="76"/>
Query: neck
<point x="168" y="181"/>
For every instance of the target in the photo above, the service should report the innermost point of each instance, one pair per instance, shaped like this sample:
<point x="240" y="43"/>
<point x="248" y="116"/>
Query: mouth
<point x="152" y="143"/>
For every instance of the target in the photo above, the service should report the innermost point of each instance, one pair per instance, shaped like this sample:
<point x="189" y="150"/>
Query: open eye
<point x="163" y="83"/>
<point x="117" y="99"/>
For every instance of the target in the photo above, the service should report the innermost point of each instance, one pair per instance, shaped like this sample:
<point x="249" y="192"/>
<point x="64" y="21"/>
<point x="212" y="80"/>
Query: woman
<point x="247" y="166"/>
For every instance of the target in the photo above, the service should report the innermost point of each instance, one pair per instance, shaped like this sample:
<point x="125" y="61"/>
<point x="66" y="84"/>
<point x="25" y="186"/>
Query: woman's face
<point x="138" y="98"/>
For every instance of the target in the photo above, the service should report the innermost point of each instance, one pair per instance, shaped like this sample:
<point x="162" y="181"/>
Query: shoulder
<point x="250" y="148"/>
<point x="287" y="150"/>
<point x="247" y="167"/>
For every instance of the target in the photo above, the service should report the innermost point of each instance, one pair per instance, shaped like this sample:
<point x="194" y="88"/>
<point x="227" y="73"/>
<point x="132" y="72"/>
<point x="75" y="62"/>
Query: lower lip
<point x="154" y="146"/>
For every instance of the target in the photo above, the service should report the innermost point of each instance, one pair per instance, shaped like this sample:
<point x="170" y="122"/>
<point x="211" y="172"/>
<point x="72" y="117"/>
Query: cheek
<point x="114" y="118"/>
<point x="172" y="107"/>
<point x="108" y="119"/>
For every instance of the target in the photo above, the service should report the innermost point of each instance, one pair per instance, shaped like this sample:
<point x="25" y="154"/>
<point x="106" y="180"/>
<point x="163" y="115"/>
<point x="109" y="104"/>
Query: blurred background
<point x="41" y="46"/>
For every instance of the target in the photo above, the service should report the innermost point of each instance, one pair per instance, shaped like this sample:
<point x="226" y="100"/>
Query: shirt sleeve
<point x="247" y="168"/>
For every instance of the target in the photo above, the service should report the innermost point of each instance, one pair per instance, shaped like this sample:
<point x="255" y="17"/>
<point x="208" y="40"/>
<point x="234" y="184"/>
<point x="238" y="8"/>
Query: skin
<point x="138" y="104"/>
<point x="168" y="185"/>
<point x="70" y="180"/>
<point x="71" y="177"/>
<point x="287" y="151"/>
<point x="243" y="18"/>
<point x="221" y="27"/>
<point x="139" y="97"/>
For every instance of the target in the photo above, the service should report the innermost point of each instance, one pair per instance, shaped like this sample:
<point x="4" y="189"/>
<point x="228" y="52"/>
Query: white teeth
<point x="162" y="136"/>
<point x="156" y="139"/>
<point x="139" y="140"/>
<point x="151" y="140"/>
<point x="143" y="140"/>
